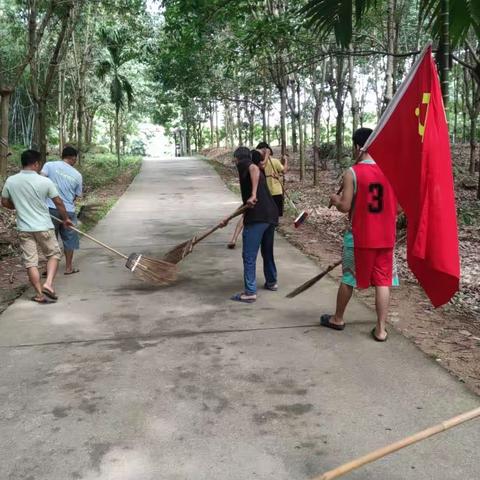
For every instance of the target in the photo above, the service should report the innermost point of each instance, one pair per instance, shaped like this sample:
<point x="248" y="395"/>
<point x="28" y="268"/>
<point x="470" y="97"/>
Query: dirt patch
<point x="450" y="335"/>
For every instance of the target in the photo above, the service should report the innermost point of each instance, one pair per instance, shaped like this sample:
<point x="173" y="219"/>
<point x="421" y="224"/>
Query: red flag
<point x="411" y="145"/>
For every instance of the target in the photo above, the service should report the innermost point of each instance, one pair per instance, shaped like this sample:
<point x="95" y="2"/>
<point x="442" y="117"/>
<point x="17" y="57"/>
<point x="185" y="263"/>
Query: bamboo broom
<point x="316" y="278"/>
<point x="394" y="447"/>
<point x="178" y="253"/>
<point x="313" y="281"/>
<point x="148" y="269"/>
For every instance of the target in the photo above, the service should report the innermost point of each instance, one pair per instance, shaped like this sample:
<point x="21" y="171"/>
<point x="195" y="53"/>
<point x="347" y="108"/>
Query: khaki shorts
<point x="31" y="242"/>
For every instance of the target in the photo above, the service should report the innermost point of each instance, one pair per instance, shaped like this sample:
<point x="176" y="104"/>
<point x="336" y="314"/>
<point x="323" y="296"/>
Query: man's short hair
<point x="361" y="135"/>
<point x="256" y="157"/>
<point x="29" y="157"/>
<point x="69" y="152"/>
<point x="242" y="153"/>
<point x="264" y="145"/>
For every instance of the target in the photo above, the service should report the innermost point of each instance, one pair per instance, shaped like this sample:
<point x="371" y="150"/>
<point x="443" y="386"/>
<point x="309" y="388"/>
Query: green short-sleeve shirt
<point x="29" y="192"/>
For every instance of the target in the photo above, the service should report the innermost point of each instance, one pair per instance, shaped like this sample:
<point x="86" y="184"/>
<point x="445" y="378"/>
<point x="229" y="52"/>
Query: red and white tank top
<point x="374" y="211"/>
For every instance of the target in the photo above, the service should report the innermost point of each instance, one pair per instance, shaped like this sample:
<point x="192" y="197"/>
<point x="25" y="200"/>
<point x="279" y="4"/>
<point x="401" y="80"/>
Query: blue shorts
<point x="70" y="239"/>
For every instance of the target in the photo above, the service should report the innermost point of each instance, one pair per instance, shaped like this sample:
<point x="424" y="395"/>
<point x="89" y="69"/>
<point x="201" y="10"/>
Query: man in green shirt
<point x="27" y="193"/>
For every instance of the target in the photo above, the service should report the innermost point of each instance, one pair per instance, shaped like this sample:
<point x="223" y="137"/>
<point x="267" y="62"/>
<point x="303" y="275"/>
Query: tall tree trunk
<point x="239" y="120"/>
<point x="444" y="48"/>
<point x="293" y="117"/>
<point x="112" y="136"/>
<point x="353" y="92"/>
<point x="5" y="96"/>
<point x="117" y="135"/>
<point x="283" y="127"/>
<point x="188" y="139"/>
<point x="42" y="129"/>
<point x="317" y="117"/>
<point x="264" y="123"/>
<point x="390" y="50"/>
<point x="212" y="124"/>
<point x="473" y="145"/>
<point x="455" y="107"/>
<point x="301" y="132"/>
<point x="61" y="109"/>
<point x="80" y="125"/>
<point x="319" y="96"/>
<point x="217" y="134"/>
<point x="268" y="125"/>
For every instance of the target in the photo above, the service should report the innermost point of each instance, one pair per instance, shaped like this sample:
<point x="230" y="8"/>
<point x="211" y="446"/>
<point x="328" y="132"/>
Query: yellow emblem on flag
<point x="422" y="111"/>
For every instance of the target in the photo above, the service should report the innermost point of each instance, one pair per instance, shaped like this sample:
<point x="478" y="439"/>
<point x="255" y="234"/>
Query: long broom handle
<point x="394" y="447"/>
<point x="98" y="242"/>
<point x="237" y="212"/>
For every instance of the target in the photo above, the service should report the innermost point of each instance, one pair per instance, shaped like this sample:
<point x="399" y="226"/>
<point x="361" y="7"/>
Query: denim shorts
<point x="70" y="239"/>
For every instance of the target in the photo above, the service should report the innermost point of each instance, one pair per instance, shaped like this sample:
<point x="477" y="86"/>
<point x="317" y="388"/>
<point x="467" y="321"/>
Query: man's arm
<point x="254" y="177"/>
<point x="79" y="190"/>
<point x="343" y="202"/>
<point x="7" y="203"/>
<point x="63" y="212"/>
<point x="6" y="200"/>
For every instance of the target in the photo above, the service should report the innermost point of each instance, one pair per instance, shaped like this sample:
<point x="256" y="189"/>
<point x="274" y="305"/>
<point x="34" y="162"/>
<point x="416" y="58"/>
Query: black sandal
<point x="325" y="322"/>
<point x="43" y="301"/>
<point x="377" y="339"/>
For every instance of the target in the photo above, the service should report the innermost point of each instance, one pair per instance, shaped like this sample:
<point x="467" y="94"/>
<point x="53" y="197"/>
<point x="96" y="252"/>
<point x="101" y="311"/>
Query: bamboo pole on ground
<point x="394" y="447"/>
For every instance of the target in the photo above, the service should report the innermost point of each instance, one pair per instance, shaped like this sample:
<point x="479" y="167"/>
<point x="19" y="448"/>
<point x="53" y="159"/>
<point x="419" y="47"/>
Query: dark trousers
<point x="258" y="236"/>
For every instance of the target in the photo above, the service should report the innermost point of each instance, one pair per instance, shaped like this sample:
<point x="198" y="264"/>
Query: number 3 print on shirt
<point x="376" y="198"/>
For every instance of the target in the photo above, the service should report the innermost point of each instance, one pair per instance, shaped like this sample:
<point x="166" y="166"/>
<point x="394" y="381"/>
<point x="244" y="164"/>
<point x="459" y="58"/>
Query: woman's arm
<point x="254" y="177"/>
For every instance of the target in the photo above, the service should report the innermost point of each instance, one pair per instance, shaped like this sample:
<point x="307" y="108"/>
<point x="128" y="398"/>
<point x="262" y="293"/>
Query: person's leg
<point x="344" y="295"/>
<point x="252" y="237"/>
<point x="382" y="301"/>
<point x="52" y="267"/>
<point x="236" y="233"/>
<point x="48" y="243"/>
<point x="345" y="289"/>
<point x="34" y="277"/>
<point x="382" y="278"/>
<point x="71" y="242"/>
<point x="28" y="246"/>
<point x="68" y="261"/>
<point x="269" y="267"/>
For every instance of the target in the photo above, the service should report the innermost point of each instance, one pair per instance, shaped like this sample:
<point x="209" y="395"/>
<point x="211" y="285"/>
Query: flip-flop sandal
<point x="231" y="246"/>
<point x="272" y="288"/>
<point x="44" y="301"/>
<point x="75" y="270"/>
<point x="50" y="294"/>
<point x="325" y="322"/>
<point x="377" y="339"/>
<point x="238" y="298"/>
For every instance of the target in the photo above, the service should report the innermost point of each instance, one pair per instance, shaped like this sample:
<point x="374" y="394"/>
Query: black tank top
<point x="265" y="210"/>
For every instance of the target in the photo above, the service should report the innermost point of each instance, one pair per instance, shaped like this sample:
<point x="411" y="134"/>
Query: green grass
<point x="100" y="170"/>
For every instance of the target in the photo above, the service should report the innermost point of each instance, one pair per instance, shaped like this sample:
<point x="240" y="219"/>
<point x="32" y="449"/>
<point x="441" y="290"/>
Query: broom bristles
<point x="178" y="253"/>
<point x="155" y="271"/>
<point x="313" y="281"/>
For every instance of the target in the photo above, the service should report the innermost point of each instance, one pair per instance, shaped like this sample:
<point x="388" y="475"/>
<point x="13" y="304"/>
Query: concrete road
<point x="121" y="381"/>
